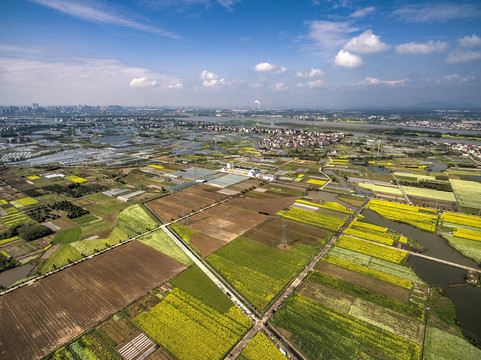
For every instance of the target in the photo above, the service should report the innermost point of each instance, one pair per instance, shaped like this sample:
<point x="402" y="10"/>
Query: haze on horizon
<point x="308" y="53"/>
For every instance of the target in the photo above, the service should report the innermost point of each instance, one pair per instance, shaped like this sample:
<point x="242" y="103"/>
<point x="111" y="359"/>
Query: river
<point x="466" y="299"/>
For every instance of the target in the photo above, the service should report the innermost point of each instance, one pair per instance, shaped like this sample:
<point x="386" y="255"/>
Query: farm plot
<point x="265" y="206"/>
<point x="189" y="329"/>
<point x="56" y="309"/>
<point x="257" y="271"/>
<point x="223" y="223"/>
<point x="323" y="332"/>
<point x="429" y="193"/>
<point x="469" y="248"/>
<point x="441" y="345"/>
<point x="196" y="283"/>
<point x="321" y="220"/>
<point x="386" y="319"/>
<point x="170" y="207"/>
<point x="270" y="233"/>
<point x="374" y="263"/>
<point x="358" y="279"/>
<point x="160" y="241"/>
<point x="261" y="348"/>
<point x="422" y="218"/>
<point x="468" y="193"/>
<point x="372" y="249"/>
<point x="388" y="297"/>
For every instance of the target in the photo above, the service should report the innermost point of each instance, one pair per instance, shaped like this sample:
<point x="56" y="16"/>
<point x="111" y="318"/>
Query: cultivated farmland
<point x="39" y="318"/>
<point x="223" y="223"/>
<point x="170" y="207"/>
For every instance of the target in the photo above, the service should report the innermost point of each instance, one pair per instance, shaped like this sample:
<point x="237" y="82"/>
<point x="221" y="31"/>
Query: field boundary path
<point x="402" y="190"/>
<point x="323" y="173"/>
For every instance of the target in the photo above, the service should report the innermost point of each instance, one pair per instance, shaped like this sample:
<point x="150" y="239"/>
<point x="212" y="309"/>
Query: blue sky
<point x="297" y="53"/>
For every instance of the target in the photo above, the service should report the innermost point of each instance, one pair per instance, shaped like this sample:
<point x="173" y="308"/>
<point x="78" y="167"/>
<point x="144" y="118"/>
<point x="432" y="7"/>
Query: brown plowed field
<point x="39" y="318"/>
<point x="244" y="185"/>
<point x="170" y="207"/>
<point x="365" y="281"/>
<point x="225" y="222"/>
<point x="205" y="244"/>
<point x="268" y="206"/>
<point x="270" y="233"/>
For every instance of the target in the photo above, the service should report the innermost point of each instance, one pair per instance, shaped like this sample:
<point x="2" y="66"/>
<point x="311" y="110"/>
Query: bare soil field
<point x="64" y="224"/>
<point x="43" y="316"/>
<point x="367" y="282"/>
<point x="270" y="233"/>
<point x="266" y="206"/>
<point x="205" y="244"/>
<point x="244" y="185"/>
<point x="170" y="207"/>
<point x="225" y="223"/>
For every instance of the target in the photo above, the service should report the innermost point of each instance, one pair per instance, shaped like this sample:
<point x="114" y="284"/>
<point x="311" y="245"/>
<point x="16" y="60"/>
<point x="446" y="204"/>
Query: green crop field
<point x="183" y="231"/>
<point x="190" y="330"/>
<point x="371" y="262"/>
<point x="468" y="193"/>
<point x="441" y="345"/>
<point x="429" y="193"/>
<point x="469" y="248"/>
<point x="257" y="271"/>
<point x="60" y="258"/>
<point x="321" y="332"/>
<point x="261" y="348"/>
<point x="160" y="241"/>
<point x="195" y="282"/>
<point x="135" y="220"/>
<point x="410" y="310"/>
<point x="382" y="189"/>
<point x="68" y="236"/>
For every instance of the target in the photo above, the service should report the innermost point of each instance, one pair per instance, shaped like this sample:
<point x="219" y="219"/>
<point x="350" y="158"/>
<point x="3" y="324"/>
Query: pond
<point x="11" y="276"/>
<point x="465" y="298"/>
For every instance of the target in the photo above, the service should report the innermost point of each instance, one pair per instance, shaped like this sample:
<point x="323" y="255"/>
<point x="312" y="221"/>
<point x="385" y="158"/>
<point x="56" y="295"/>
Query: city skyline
<point x="239" y="53"/>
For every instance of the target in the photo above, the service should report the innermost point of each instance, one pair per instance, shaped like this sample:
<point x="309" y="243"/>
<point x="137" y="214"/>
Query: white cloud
<point x="462" y="56"/>
<point x="264" y="66"/>
<point x="315" y="84"/>
<point x="80" y="80"/>
<point x="101" y="13"/>
<point x="422" y="48"/>
<point x="211" y="79"/>
<point x="282" y="69"/>
<point x="311" y="73"/>
<point x="454" y="79"/>
<point x="366" y="43"/>
<point x="329" y="36"/>
<point x="363" y="12"/>
<point x="142" y="82"/>
<point x="437" y="12"/>
<point x="470" y="41"/>
<point x="346" y="59"/>
<point x="280" y="87"/>
<point x="369" y="81"/>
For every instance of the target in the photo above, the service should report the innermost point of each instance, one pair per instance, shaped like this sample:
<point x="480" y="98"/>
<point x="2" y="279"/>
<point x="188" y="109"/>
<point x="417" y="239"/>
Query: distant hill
<point x="443" y="105"/>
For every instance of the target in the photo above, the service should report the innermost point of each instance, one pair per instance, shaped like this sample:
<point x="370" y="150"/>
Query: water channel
<point x="466" y="299"/>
